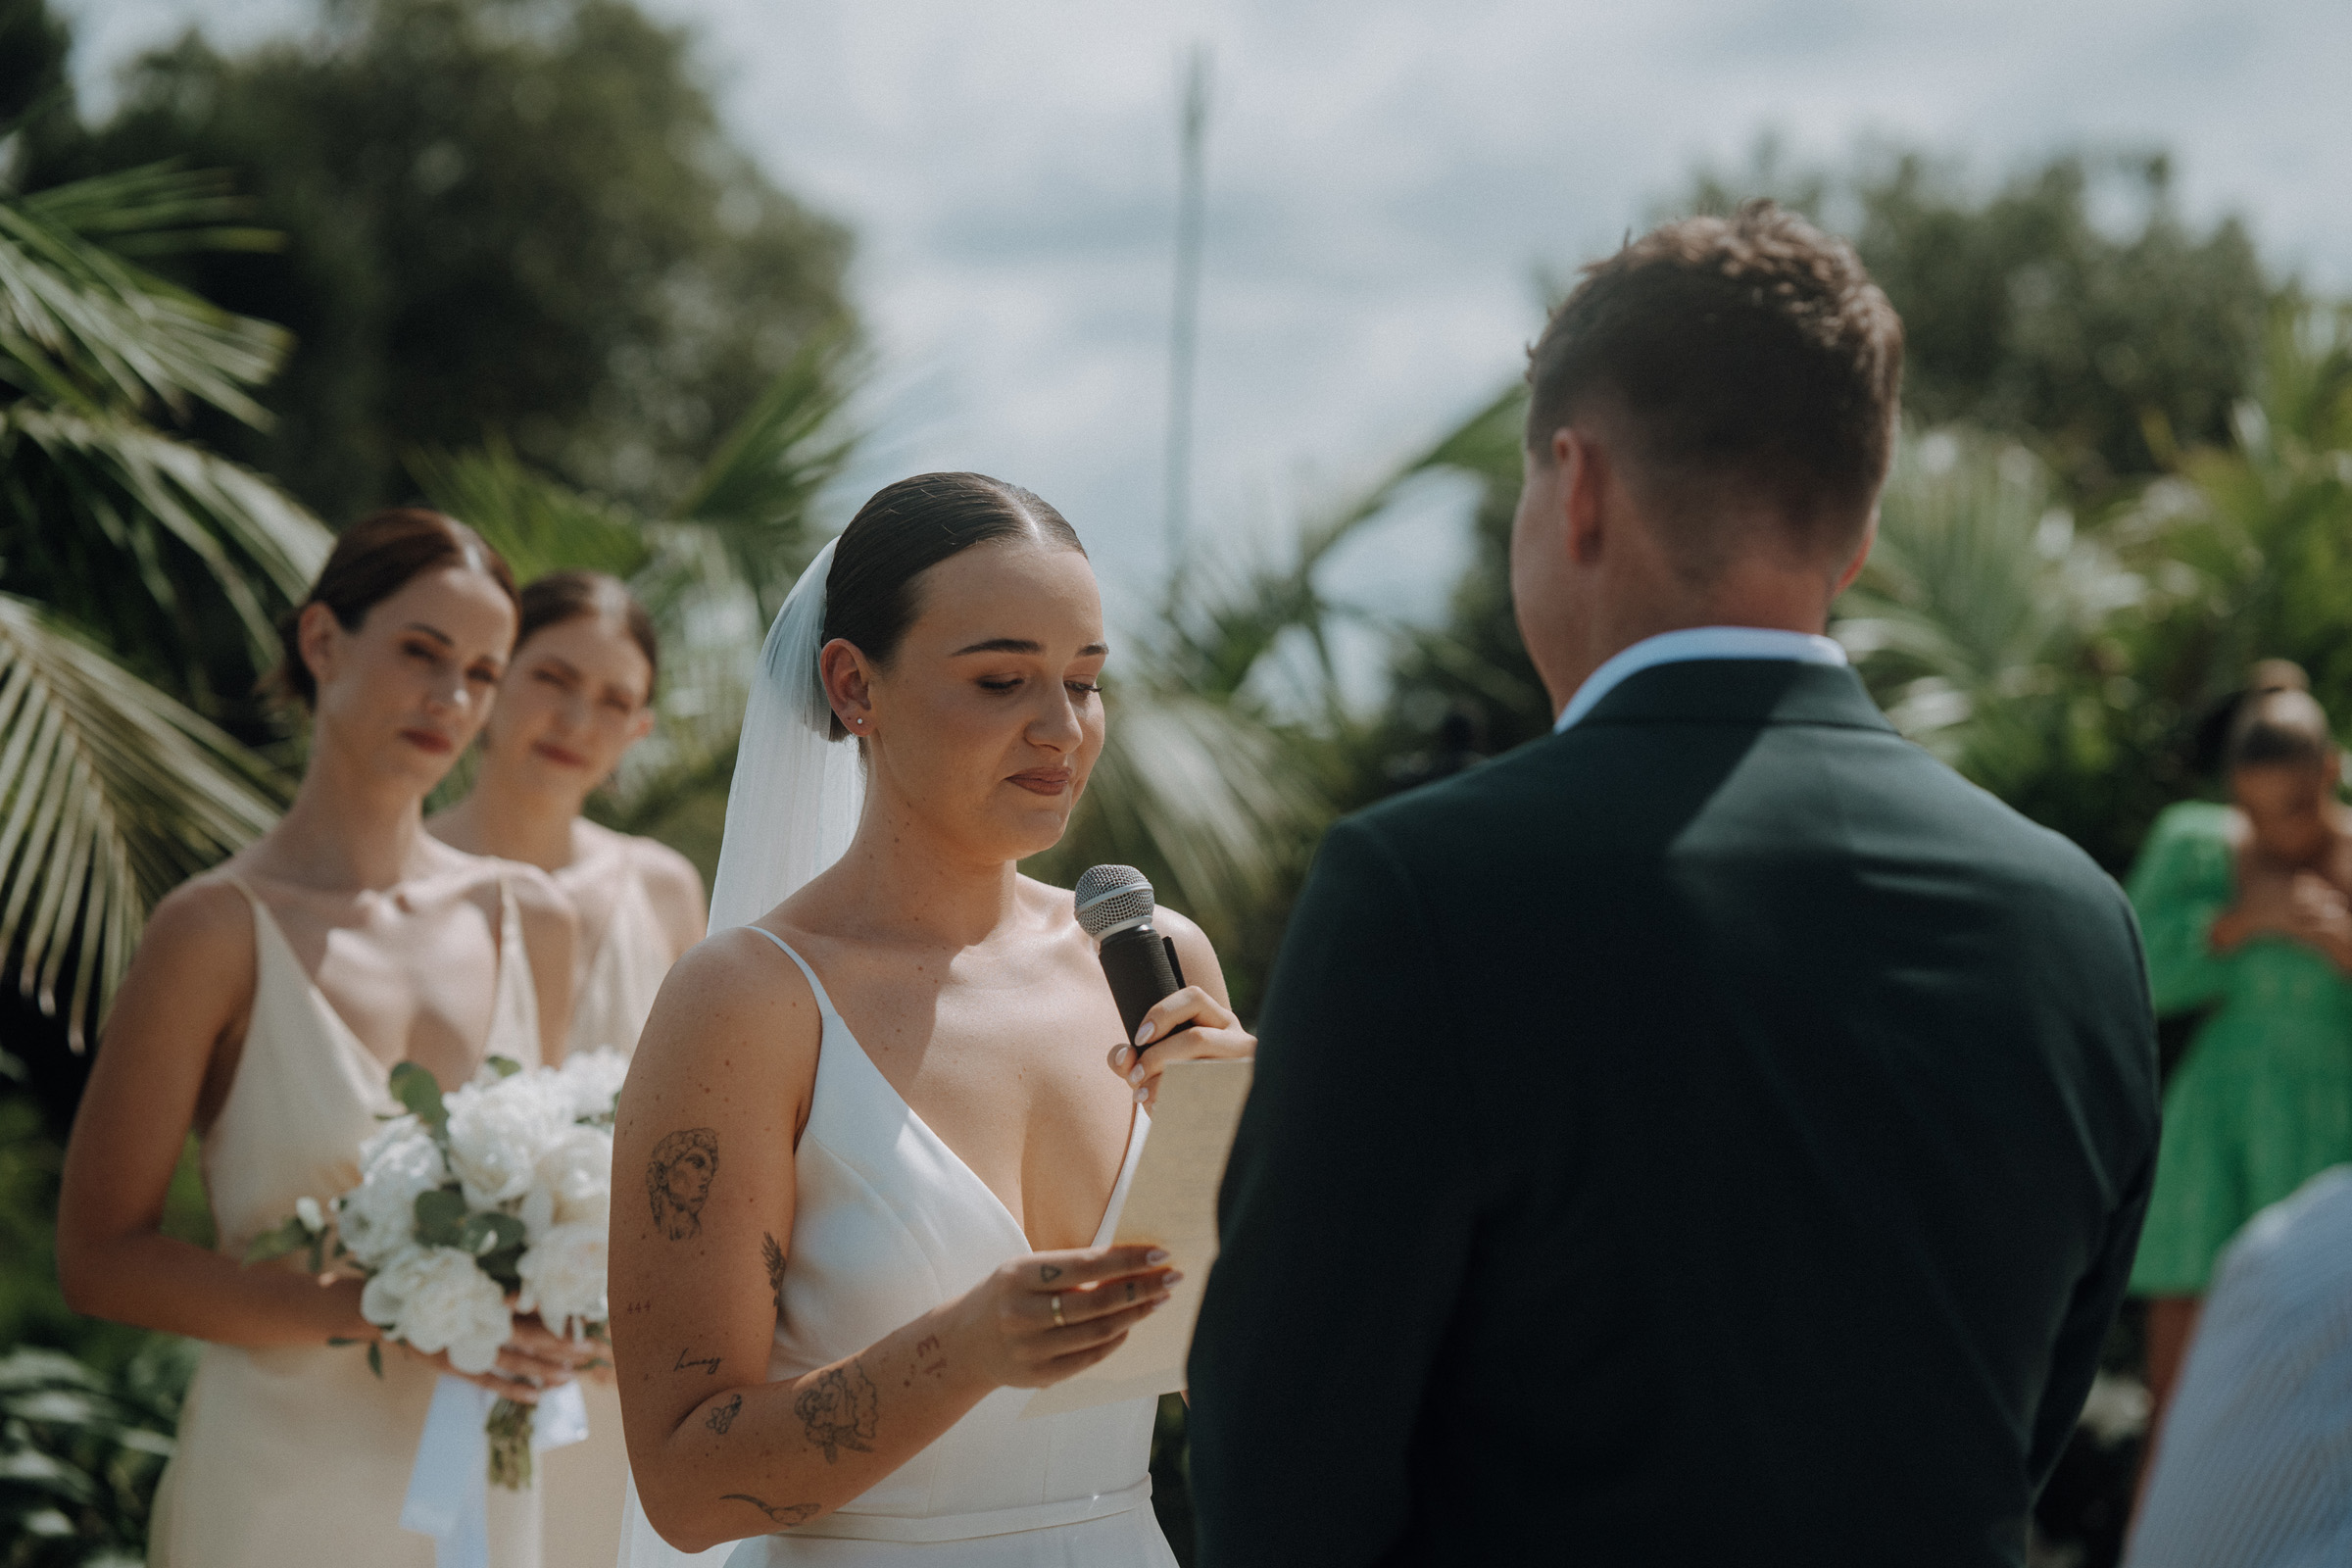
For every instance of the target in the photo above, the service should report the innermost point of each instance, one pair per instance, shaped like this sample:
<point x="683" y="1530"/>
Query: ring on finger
<point x="1055" y="1302"/>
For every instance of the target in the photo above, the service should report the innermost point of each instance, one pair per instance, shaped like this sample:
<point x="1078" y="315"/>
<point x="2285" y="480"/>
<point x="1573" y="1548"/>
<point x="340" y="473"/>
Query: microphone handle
<point x="1141" y="965"/>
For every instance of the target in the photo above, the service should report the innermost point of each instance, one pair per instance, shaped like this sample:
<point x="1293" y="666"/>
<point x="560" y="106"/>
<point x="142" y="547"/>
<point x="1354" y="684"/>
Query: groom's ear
<point x="1853" y="567"/>
<point x="1586" y="474"/>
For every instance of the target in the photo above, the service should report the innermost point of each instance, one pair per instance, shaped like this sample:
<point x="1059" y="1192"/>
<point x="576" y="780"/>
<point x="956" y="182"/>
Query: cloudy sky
<point x="1387" y="182"/>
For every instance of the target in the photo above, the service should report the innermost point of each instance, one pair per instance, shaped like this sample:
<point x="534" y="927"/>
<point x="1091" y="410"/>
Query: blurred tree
<point x="2072" y="308"/>
<point x="510" y="219"/>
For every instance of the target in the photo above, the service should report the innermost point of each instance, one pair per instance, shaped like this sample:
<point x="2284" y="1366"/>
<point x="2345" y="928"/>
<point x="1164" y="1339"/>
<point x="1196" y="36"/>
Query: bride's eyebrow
<point x="1022" y="645"/>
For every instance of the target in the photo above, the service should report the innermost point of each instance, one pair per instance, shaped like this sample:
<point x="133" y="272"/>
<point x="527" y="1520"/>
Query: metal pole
<point x="1184" y="318"/>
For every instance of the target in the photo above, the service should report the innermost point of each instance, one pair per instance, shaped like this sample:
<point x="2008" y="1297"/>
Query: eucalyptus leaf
<point x="504" y="1066"/>
<point x="441" y="1217"/>
<point x="416" y="1089"/>
<point x="482" y="1234"/>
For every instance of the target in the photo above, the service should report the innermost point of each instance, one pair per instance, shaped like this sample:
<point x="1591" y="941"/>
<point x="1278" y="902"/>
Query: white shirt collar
<point x="1696" y="642"/>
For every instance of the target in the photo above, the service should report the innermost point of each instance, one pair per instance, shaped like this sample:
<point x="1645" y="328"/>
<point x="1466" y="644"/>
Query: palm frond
<point x="1981" y="593"/>
<point x="85" y="328"/>
<point x="1207" y="800"/>
<point x="757" y="493"/>
<point x="88" y="500"/>
<point x="537" y="523"/>
<point x="110" y="794"/>
<point x="1225" y="619"/>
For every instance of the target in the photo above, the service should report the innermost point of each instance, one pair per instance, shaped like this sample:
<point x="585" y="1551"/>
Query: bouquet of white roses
<point x="471" y="1208"/>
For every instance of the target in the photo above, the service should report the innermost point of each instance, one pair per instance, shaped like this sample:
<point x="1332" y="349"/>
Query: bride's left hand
<point x="1216" y="1035"/>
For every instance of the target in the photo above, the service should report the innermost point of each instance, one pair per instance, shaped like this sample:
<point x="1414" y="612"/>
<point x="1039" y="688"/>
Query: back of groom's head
<point x="1748" y="364"/>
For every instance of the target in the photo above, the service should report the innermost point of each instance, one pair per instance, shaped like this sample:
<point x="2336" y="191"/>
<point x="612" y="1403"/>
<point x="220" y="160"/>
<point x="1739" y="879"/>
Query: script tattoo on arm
<point x="709" y="1363"/>
<point x="792" y="1513"/>
<point x="678" y="1181"/>
<point x="930" y="1356"/>
<point x="724" y="1415"/>
<point x="839" y="1410"/>
<point x="774" y="1256"/>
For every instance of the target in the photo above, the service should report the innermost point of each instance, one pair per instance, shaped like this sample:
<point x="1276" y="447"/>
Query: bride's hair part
<point x="373" y="560"/>
<point x="562" y="597"/>
<point x="910" y="527"/>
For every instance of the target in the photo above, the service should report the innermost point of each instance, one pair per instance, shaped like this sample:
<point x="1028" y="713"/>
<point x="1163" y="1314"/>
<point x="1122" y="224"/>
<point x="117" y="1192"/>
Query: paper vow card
<point x="1173" y="1203"/>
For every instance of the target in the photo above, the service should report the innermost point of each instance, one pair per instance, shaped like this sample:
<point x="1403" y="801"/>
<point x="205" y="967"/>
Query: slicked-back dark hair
<point x="373" y="560"/>
<point x="910" y="527"/>
<point x="2279" y="725"/>
<point x="565" y="596"/>
<point x="1750" y="357"/>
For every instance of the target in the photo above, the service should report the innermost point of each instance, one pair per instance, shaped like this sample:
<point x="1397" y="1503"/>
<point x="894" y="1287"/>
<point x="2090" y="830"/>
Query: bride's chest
<point x="1019" y="1090"/>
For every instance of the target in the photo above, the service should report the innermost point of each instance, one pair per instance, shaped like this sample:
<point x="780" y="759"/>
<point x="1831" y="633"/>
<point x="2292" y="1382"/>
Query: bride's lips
<point x="559" y="755"/>
<point x="1043" y="781"/>
<point x="428" y="740"/>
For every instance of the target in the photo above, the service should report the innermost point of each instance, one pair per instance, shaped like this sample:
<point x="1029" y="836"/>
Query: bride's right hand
<point x="1047" y="1316"/>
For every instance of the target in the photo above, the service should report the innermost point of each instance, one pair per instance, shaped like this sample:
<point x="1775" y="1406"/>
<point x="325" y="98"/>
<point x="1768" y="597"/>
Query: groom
<point x="1715" y="1134"/>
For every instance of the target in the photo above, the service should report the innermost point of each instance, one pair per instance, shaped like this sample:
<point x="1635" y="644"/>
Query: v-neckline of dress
<point x="341" y="1026"/>
<point x="1138" y="1123"/>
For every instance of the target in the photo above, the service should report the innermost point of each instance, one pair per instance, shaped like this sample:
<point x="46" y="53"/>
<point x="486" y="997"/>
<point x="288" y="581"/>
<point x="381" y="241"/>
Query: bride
<point x="882" y="1156"/>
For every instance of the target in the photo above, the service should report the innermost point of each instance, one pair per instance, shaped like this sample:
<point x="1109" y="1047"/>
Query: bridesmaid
<point x="266" y="1007"/>
<point x="573" y="701"/>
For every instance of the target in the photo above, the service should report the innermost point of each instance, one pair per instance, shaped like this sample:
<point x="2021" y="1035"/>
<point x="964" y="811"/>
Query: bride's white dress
<point x="888" y="1224"/>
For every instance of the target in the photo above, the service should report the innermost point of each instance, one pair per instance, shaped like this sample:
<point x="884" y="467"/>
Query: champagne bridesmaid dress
<point x="585" y="1482"/>
<point x="292" y="1456"/>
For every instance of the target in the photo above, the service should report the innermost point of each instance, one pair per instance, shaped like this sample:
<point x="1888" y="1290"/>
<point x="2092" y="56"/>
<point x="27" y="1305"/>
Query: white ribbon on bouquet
<point x="449" y="1485"/>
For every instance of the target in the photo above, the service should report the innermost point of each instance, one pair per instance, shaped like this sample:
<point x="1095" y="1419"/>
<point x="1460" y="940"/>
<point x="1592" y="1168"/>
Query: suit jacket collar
<point x="1739" y="691"/>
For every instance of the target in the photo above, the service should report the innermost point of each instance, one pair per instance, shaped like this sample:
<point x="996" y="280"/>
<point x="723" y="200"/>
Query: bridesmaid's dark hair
<point x="565" y="596"/>
<point x="2277" y="722"/>
<point x="910" y="527"/>
<point x="373" y="560"/>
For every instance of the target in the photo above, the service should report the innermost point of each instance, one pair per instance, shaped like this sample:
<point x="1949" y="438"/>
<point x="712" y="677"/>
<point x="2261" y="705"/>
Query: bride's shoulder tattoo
<point x="678" y="1181"/>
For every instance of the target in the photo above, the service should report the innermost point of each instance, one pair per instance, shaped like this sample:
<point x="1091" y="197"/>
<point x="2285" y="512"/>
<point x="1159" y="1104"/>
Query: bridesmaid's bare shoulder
<point x="674" y="889"/>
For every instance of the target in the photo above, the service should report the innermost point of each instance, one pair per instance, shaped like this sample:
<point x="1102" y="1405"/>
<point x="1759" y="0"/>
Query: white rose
<point x="307" y="1210"/>
<point x="574" y="1182"/>
<point x="592" y="1079"/>
<point x="497" y="1132"/>
<point x="435" y="1299"/>
<point x="378" y="1216"/>
<point x="563" y="1277"/>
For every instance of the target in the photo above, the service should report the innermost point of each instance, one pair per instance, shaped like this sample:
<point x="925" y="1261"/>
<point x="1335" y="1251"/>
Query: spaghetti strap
<point x="825" y="1002"/>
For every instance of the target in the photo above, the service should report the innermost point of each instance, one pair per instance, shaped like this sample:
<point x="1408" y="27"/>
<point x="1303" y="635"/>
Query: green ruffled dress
<point x="2262" y="1102"/>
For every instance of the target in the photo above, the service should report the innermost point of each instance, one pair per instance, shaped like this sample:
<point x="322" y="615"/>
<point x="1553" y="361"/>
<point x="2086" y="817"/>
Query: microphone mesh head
<point x="1111" y="897"/>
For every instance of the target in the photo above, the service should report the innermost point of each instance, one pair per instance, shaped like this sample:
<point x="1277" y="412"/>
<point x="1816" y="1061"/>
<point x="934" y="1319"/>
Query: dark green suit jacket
<point x="1716" y="1136"/>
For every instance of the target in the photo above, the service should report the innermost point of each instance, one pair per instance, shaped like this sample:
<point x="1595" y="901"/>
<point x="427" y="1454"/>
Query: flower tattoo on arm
<point x="839" y="1410"/>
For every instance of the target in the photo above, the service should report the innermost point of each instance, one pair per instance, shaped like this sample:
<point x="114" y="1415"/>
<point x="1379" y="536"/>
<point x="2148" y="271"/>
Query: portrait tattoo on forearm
<point x="792" y="1513"/>
<point x="774" y="1256"/>
<point x="678" y="1181"/>
<point x="724" y="1415"/>
<point x="839" y="1410"/>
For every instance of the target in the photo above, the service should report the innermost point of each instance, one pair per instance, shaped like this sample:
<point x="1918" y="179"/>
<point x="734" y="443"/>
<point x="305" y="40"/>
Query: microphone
<point x="1115" y="906"/>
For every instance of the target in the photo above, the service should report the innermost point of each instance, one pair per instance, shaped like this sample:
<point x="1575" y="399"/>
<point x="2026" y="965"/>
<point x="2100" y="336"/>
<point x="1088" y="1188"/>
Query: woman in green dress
<point x="2245" y="912"/>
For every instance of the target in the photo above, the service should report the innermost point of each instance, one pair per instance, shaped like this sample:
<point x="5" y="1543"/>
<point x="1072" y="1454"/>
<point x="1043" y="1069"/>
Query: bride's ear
<point x="842" y="670"/>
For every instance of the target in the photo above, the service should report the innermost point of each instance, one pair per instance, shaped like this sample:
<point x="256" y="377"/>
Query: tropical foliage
<point x="519" y="216"/>
<point x="140" y="575"/>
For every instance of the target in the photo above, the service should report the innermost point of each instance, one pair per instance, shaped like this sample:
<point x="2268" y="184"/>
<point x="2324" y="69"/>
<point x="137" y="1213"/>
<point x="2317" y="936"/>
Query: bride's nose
<point x="1056" y="724"/>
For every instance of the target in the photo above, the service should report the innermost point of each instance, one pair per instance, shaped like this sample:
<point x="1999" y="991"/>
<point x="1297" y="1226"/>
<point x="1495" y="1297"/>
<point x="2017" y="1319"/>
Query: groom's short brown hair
<point x="1750" y="359"/>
